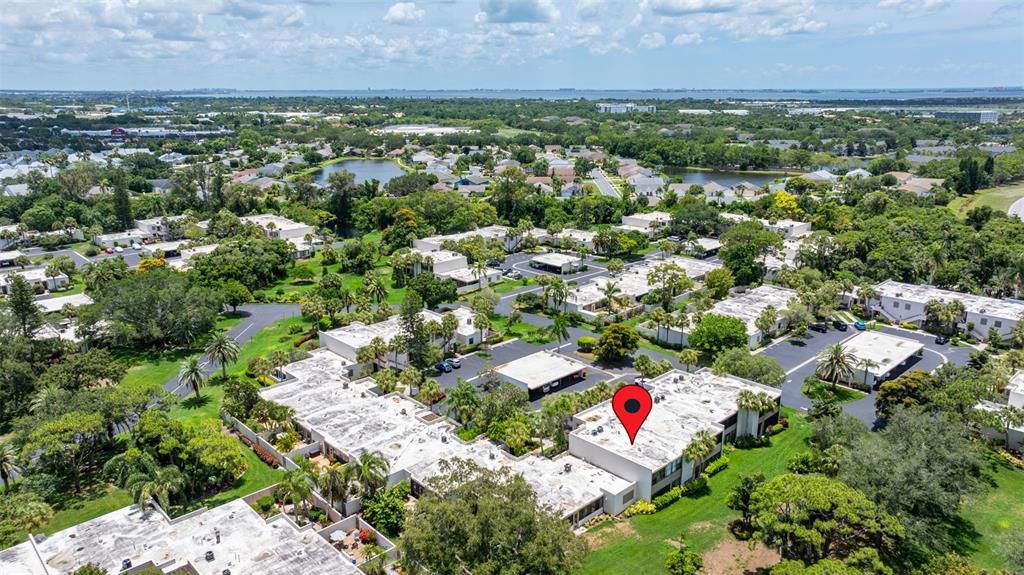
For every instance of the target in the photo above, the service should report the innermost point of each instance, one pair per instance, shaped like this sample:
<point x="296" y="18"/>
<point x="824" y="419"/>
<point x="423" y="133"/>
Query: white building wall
<point x="614" y="464"/>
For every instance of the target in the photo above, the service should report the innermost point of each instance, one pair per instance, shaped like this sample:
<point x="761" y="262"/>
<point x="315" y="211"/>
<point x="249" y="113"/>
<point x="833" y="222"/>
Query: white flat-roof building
<point x="570" y="236"/>
<point x="280" y="228"/>
<point x="685" y="404"/>
<point x="543" y="372"/>
<point x="704" y="248"/>
<point x="125" y="238"/>
<point x="884" y="354"/>
<point x="7" y="258"/>
<point x="169" y="249"/>
<point x="186" y="255"/>
<point x="229" y="538"/>
<point x="346" y="341"/>
<point x="445" y="264"/>
<point x="55" y="304"/>
<point x="509" y="240"/>
<point x="905" y="303"/>
<point x="625" y="108"/>
<point x="785" y="227"/>
<point x="349" y="419"/>
<point x="556" y="263"/>
<point x="1013" y="397"/>
<point x="633" y="283"/>
<point x="36" y="277"/>
<point x="650" y="223"/>
<point x="157" y="227"/>
<point x="746" y="307"/>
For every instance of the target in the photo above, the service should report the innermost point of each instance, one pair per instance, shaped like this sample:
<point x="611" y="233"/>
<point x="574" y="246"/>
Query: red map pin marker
<point x="632" y="405"/>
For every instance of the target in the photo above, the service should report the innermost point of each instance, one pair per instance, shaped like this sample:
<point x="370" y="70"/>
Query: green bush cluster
<point x="689" y="488"/>
<point x="640" y="508"/>
<point x="716" y="466"/>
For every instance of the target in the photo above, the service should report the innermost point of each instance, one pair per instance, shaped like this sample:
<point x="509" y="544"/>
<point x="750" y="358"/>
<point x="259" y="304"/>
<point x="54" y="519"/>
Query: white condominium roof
<point x="248" y="544"/>
<point x="686" y="403"/>
<point x="748" y="307"/>
<point x="539" y="369"/>
<point x="976" y="304"/>
<point x="354" y="420"/>
<point x="884" y="350"/>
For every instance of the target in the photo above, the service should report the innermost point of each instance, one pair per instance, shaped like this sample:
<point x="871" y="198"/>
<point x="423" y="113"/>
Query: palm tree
<point x="192" y="375"/>
<point x="864" y="364"/>
<point x="337" y="480"/>
<point x="659" y="318"/>
<point x="295" y="487"/>
<point x="157" y="483"/>
<point x="463" y="401"/>
<point x="559" y="328"/>
<point x="757" y="402"/>
<point x="689" y="357"/>
<point x="702" y="444"/>
<point x="346" y="298"/>
<point x="224" y="349"/>
<point x="9" y="464"/>
<point x="480" y="271"/>
<point x="374" y="287"/>
<point x="371" y="471"/>
<point x="612" y="296"/>
<point x="373" y="351"/>
<point x="867" y="293"/>
<point x="835" y="363"/>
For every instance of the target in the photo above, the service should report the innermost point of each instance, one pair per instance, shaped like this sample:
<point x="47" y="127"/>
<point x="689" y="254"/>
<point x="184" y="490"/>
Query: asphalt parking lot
<point x="798" y="357"/>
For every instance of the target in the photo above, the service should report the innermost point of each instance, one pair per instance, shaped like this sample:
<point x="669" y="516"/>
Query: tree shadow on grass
<point x="194" y="402"/>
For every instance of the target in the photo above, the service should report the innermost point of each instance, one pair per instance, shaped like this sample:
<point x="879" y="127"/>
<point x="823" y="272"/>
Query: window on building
<point x="998" y="323"/>
<point x="984" y="321"/>
<point x="627" y="498"/>
<point x="906" y="306"/>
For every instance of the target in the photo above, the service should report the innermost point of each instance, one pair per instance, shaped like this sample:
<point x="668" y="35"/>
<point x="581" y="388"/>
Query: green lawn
<point x="522" y="330"/>
<point x="206" y="407"/>
<point x="100" y="500"/>
<point x="256" y="477"/>
<point x="151" y="368"/>
<point x="642" y="545"/>
<point x="820" y="390"/>
<point x="293" y="284"/>
<point x="508" y="285"/>
<point x="995" y="515"/>
<point x="999" y="199"/>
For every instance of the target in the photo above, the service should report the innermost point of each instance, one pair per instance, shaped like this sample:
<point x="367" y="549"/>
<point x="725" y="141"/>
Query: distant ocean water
<point x="573" y="94"/>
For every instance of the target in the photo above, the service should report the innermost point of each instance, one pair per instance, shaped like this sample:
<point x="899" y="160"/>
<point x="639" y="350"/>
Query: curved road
<point x="260" y="315"/>
<point x="1017" y="209"/>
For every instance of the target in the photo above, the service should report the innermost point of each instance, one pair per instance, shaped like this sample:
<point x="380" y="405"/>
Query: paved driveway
<point x="798" y="357"/>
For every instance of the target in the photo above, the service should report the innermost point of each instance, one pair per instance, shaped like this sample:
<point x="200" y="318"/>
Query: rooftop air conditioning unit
<point x="657" y="399"/>
<point x="492" y="456"/>
<point x="226" y="572"/>
<point x="600" y="429"/>
<point x="444" y="439"/>
<point x="126" y="564"/>
<point x="344" y="385"/>
<point x="403" y="411"/>
<point x="568" y="467"/>
<point x="209" y="555"/>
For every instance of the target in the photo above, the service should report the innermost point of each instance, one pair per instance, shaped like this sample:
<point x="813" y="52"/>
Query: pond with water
<point x="364" y="170"/>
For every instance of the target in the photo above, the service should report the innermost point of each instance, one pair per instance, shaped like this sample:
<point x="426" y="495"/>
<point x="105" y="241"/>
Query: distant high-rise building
<point x="979" y="116"/>
<point x="625" y="108"/>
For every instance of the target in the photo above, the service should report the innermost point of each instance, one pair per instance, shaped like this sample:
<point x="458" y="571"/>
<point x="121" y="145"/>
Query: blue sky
<point x="436" y="44"/>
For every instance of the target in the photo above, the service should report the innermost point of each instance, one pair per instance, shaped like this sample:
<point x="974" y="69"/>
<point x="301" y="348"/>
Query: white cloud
<point x="876" y="28"/>
<point x="587" y="9"/>
<point x="510" y="11"/>
<point x="404" y="13"/>
<point x="683" y="7"/>
<point x="652" y="40"/>
<point x="914" y="5"/>
<point x="686" y="39"/>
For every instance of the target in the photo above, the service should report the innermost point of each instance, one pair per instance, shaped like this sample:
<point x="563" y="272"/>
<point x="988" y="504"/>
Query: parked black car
<point x="941" y="340"/>
<point x="840" y="325"/>
<point x="818" y="327"/>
